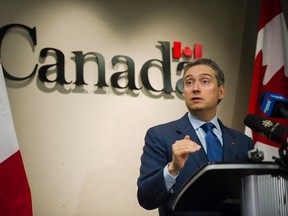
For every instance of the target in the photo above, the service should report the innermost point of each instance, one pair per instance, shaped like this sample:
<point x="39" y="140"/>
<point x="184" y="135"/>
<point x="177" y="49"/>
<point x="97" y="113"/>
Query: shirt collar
<point x="197" y="123"/>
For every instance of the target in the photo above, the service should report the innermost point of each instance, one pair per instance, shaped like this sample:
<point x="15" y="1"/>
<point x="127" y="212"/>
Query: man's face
<point x="201" y="90"/>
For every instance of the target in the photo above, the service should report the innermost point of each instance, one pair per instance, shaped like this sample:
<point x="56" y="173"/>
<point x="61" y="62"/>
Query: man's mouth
<point x="196" y="99"/>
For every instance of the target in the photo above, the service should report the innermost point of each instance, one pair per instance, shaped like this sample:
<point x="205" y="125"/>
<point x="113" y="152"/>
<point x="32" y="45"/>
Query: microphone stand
<point x="283" y="159"/>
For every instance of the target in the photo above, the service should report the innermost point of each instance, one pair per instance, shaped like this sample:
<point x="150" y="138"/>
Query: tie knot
<point x="207" y="126"/>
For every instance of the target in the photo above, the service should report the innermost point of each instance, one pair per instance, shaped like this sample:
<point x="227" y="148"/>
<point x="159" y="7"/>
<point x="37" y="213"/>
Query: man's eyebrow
<point x="203" y="74"/>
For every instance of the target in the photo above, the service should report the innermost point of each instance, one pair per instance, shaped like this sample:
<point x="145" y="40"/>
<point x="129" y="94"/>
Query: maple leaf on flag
<point x="270" y="70"/>
<point x="187" y="51"/>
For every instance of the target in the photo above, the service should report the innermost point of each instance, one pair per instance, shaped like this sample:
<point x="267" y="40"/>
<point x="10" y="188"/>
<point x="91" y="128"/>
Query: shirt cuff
<point x="169" y="179"/>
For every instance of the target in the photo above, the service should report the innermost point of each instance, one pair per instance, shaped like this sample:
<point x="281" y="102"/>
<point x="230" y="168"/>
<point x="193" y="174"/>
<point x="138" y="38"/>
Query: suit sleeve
<point x="152" y="191"/>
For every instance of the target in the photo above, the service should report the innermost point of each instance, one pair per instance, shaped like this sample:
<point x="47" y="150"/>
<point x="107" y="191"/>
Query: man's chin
<point x="196" y="109"/>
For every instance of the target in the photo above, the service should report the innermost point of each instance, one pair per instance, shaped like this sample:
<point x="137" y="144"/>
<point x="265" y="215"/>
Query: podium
<point x="246" y="189"/>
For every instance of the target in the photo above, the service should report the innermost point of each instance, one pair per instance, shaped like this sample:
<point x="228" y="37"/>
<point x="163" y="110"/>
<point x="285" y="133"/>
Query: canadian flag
<point x="270" y="69"/>
<point x="15" y="195"/>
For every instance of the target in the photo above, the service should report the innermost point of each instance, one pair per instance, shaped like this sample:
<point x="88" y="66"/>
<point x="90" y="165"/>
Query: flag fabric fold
<point x="15" y="195"/>
<point x="270" y="73"/>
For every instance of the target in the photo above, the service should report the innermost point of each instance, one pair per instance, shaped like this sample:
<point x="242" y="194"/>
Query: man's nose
<point x="196" y="87"/>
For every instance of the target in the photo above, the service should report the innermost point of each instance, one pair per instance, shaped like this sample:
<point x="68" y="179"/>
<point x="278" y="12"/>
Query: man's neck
<point x="203" y="116"/>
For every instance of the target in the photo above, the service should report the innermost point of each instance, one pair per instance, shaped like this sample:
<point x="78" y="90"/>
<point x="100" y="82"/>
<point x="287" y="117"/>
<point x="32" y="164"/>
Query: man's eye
<point x="205" y="82"/>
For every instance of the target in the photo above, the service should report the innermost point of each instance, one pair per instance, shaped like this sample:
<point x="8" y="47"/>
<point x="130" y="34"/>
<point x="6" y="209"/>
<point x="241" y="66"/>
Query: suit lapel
<point x="230" y="144"/>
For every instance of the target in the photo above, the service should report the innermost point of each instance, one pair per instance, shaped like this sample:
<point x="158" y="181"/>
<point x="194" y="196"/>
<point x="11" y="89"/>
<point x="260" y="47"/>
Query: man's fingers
<point x="185" y="147"/>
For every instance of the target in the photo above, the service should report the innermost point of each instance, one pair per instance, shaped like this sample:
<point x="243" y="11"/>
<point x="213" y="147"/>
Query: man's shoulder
<point x="171" y="124"/>
<point x="234" y="132"/>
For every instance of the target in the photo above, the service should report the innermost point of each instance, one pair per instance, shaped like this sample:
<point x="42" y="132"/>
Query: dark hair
<point x="210" y="63"/>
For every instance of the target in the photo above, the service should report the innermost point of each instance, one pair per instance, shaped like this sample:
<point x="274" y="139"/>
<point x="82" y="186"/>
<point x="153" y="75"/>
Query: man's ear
<point x="222" y="91"/>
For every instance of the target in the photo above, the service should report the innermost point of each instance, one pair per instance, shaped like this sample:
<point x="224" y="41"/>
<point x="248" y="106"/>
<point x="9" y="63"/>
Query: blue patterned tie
<point x="214" y="147"/>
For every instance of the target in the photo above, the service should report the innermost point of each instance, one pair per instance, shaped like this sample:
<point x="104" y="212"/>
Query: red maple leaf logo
<point x="187" y="51"/>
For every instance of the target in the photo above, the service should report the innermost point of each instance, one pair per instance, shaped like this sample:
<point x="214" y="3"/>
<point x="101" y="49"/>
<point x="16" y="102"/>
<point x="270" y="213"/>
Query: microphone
<point x="267" y="128"/>
<point x="274" y="105"/>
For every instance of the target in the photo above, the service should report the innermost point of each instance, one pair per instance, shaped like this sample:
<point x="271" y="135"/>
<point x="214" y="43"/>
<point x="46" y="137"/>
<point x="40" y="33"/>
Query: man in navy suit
<point x="176" y="150"/>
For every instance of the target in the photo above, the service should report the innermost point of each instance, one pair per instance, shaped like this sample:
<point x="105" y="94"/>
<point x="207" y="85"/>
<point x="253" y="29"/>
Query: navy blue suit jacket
<point x="157" y="153"/>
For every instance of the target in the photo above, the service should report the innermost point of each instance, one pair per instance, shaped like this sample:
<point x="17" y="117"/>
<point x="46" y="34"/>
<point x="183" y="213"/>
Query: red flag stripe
<point x="15" y="198"/>
<point x="269" y="10"/>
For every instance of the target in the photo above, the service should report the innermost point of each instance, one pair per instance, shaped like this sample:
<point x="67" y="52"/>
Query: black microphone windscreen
<point x="266" y="127"/>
